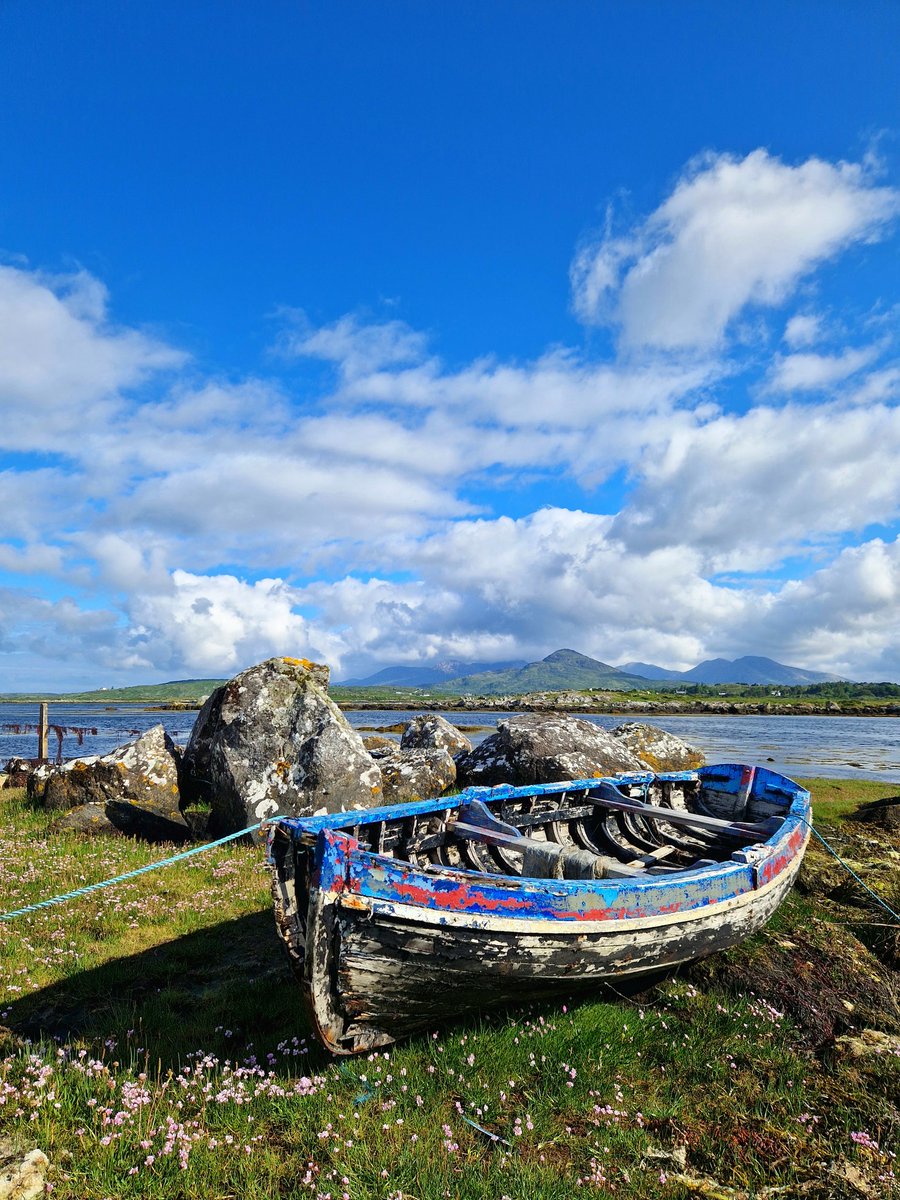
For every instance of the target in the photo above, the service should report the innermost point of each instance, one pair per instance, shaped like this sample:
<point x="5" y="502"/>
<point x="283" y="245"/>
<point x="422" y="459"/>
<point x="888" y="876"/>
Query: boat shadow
<point x="225" y="990"/>
<point x="222" y="989"/>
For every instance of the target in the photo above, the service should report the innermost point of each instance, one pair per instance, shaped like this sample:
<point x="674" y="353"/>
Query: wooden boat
<point x="396" y="918"/>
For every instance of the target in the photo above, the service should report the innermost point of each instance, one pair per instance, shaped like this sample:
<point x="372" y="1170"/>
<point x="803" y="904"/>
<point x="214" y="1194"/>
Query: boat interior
<point x="589" y="830"/>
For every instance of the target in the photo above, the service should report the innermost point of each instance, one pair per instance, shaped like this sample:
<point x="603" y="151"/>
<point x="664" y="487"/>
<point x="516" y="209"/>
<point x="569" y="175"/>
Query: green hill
<point x="563" y="670"/>
<point x="188" y="690"/>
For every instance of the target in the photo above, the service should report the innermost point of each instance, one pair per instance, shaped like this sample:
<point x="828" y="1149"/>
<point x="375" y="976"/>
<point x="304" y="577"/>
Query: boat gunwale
<point x="797" y="804"/>
<point x="345" y="865"/>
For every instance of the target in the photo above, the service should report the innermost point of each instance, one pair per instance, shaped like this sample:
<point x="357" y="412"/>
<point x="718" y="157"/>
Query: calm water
<point x="114" y="725"/>
<point x="842" y="747"/>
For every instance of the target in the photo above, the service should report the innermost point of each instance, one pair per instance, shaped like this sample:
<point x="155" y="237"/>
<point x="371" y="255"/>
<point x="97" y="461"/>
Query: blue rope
<point x="95" y="887"/>
<point x="878" y="900"/>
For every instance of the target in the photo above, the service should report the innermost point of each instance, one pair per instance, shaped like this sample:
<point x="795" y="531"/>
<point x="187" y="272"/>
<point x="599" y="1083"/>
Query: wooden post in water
<point x="42" y="733"/>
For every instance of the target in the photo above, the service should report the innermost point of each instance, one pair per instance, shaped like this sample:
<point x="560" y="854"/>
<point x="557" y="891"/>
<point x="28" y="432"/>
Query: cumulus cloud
<point x="357" y="346"/>
<point x="842" y="618"/>
<point x="803" y="329"/>
<point x="747" y="490"/>
<point x="218" y="623"/>
<point x="373" y="497"/>
<point x="62" y="363"/>
<point x="734" y="232"/>
<point x="811" y="372"/>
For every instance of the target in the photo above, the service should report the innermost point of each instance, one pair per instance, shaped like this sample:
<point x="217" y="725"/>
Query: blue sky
<point x="398" y="333"/>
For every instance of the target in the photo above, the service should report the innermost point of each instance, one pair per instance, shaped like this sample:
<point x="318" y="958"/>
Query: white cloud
<point x="219" y="623"/>
<point x="747" y="490"/>
<point x="359" y="347"/>
<point x="808" y="372"/>
<point x="733" y="232"/>
<point x="62" y="364"/>
<point x="842" y="618"/>
<point x="160" y="501"/>
<point x="803" y="329"/>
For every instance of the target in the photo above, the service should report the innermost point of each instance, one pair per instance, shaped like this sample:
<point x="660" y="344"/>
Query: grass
<point x="152" y="1044"/>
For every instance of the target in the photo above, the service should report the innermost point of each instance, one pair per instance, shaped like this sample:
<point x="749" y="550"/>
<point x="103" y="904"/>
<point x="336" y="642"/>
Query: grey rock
<point x="657" y="749"/>
<point x="409" y="775"/>
<point x="377" y="741"/>
<point x="433" y="732"/>
<point x="137" y="784"/>
<point x="147" y="821"/>
<point x="545" y="748"/>
<point x="270" y="741"/>
<point x="86" y="818"/>
<point x="16" y="773"/>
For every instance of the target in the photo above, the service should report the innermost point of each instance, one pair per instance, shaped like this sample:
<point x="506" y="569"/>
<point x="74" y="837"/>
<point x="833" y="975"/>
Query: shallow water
<point x="115" y="725"/>
<point x="834" y="747"/>
<point x="837" y="747"/>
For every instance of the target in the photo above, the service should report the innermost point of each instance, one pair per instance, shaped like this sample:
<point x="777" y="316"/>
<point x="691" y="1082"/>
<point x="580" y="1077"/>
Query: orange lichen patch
<point x="655" y="763"/>
<point x="294" y="662"/>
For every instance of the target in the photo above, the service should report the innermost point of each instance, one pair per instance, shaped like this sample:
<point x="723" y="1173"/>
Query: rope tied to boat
<point x="105" y="883"/>
<point x="230" y="837"/>
<point x="878" y="900"/>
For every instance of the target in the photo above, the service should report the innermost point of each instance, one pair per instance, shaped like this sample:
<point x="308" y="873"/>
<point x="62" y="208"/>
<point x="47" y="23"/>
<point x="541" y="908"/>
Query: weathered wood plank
<point x="607" y="796"/>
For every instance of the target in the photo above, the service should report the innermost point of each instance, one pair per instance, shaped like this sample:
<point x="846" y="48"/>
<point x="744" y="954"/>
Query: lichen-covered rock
<point x="376" y="741"/>
<point x="545" y="748"/>
<point x="143" y="774"/>
<point x="433" y="732"/>
<point x="270" y="741"/>
<point x="23" y="1178"/>
<point x="86" y="818"/>
<point x="16" y="773"/>
<point x="658" y="750"/>
<point x="409" y="775"/>
<point x="866" y="1042"/>
<point x="147" y="821"/>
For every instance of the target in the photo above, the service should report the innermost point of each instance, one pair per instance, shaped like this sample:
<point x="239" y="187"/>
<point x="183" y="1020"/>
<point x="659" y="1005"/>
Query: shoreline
<point x="529" y="703"/>
<point x="635" y="708"/>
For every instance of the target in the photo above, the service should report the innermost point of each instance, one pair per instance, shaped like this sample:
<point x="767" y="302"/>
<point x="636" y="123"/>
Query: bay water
<point x="835" y="747"/>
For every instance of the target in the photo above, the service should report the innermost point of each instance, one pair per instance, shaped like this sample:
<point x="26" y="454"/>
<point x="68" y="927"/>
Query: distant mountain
<point x="558" y="672"/>
<point x="753" y="669"/>
<point x="749" y="669"/>
<point x="648" y="671"/>
<point x="567" y="669"/>
<point x="403" y="676"/>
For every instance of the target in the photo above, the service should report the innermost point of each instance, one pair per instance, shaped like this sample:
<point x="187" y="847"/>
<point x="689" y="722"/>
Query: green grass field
<point x="152" y="1044"/>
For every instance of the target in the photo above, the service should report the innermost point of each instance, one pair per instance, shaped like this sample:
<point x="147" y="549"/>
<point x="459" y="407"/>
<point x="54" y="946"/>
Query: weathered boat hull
<point x="385" y="948"/>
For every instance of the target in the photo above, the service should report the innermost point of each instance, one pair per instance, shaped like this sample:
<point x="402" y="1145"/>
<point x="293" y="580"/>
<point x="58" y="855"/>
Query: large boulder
<point x="658" y="750"/>
<point x="433" y="732"/>
<point x="545" y="748"/>
<point x="136" y="785"/>
<point x="270" y="741"/>
<point x="409" y="775"/>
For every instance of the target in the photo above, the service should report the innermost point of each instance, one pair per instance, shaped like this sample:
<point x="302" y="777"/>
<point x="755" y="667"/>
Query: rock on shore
<point x="271" y="741"/>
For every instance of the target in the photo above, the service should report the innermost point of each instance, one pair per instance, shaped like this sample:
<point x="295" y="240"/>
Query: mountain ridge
<point x="560" y="671"/>
<point x="402" y="675"/>
<point x="749" y="669"/>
